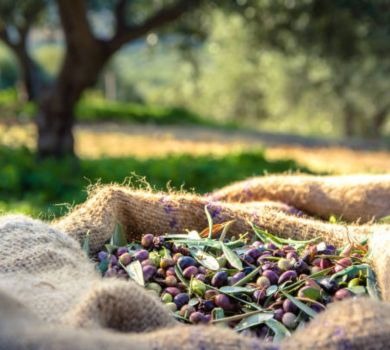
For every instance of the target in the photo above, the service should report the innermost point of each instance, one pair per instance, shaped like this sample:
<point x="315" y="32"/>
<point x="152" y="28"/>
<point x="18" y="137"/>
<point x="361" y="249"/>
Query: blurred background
<point x="187" y="94"/>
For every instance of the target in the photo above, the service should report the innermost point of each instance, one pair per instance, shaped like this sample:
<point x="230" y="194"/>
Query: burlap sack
<point x="351" y="197"/>
<point x="52" y="277"/>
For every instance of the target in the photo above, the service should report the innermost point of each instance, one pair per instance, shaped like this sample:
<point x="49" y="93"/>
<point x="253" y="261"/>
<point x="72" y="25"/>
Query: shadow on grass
<point x="42" y="188"/>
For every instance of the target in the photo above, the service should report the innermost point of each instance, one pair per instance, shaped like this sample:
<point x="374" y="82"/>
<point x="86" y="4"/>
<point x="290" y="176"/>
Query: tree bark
<point x="378" y="120"/>
<point x="349" y="122"/>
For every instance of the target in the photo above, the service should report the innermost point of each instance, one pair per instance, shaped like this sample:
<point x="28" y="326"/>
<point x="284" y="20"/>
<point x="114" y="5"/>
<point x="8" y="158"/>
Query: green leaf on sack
<point x="225" y="230"/>
<point x="210" y="222"/>
<point x="253" y="320"/>
<point x="179" y="275"/>
<point x="193" y="301"/>
<point x="357" y="290"/>
<point x="236" y="289"/>
<point x="205" y="259"/>
<point x="350" y="271"/>
<point x="302" y="306"/>
<point x="134" y="270"/>
<point x="232" y="257"/>
<point x="372" y="286"/>
<point x="271" y="290"/>
<point x="118" y="238"/>
<point x="86" y="247"/>
<point x="218" y="314"/>
<point x="279" y="329"/>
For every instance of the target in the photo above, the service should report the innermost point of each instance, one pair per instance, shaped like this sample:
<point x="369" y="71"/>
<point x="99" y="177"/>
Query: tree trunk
<point x="349" y="122"/>
<point x="55" y="119"/>
<point x="378" y="120"/>
<point x="31" y="75"/>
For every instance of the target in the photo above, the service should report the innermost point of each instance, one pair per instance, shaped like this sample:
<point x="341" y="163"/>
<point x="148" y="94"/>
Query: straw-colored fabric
<point x="52" y="297"/>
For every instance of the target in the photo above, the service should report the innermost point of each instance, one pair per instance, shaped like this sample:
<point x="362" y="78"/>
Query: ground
<point x="144" y="141"/>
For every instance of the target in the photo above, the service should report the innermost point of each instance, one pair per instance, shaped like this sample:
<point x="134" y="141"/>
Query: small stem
<point x="310" y="301"/>
<point x="237" y="317"/>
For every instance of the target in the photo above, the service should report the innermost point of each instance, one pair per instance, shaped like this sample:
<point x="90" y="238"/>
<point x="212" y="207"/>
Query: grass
<point x="43" y="188"/>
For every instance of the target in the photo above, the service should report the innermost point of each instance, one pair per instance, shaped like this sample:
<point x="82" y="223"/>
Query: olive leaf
<point x="205" y="259"/>
<point x="236" y="289"/>
<point x="350" y="271"/>
<point x="372" y="287"/>
<point x="232" y="257"/>
<point x="218" y="314"/>
<point x="253" y="320"/>
<point x="357" y="290"/>
<point x="134" y="270"/>
<point x="118" y="239"/>
<point x="248" y="277"/>
<point x="179" y="275"/>
<point x="271" y="290"/>
<point x="306" y="309"/>
<point x="110" y="248"/>
<point x="210" y="222"/>
<point x="278" y="328"/>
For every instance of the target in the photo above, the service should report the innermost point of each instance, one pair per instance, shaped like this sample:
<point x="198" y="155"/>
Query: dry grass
<point x="151" y="141"/>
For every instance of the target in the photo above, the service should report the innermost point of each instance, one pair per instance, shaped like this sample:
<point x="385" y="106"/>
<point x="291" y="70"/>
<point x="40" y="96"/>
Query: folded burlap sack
<point x="350" y="197"/>
<point x="53" y="298"/>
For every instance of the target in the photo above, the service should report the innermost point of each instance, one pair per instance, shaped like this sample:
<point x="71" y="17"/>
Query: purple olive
<point x="102" y="256"/>
<point x="258" y="295"/>
<point x="197" y="317"/>
<point x="172" y="291"/>
<point x="291" y="255"/>
<point x="160" y="272"/>
<point x="121" y="250"/>
<point x="290" y="320"/>
<point x="343" y="294"/>
<point x="158" y="241"/>
<point x="113" y="260"/>
<point x="271" y="275"/>
<point x="141" y="255"/>
<point x="223" y="301"/>
<point x="186" y="310"/>
<point x="289" y="306"/>
<point x="219" y="279"/>
<point x="236" y="277"/>
<point x="170" y="271"/>
<point x="254" y="253"/>
<point x="149" y="271"/>
<point x="329" y="285"/>
<point x="279" y="253"/>
<point x="278" y="314"/>
<point x="301" y="267"/>
<point x="202" y="270"/>
<point x="181" y="299"/>
<point x="271" y="246"/>
<point x="190" y="271"/>
<point x="210" y="294"/>
<point x="166" y="262"/>
<point x="200" y="277"/>
<point x="147" y="240"/>
<point x="206" y="305"/>
<point x="289" y="275"/>
<point x="186" y="261"/>
<point x="248" y="259"/>
<point x="342" y="264"/>
<point x="125" y="259"/>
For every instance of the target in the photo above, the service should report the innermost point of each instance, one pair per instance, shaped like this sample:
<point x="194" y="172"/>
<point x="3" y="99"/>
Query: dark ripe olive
<point x="158" y="241"/>
<point x="301" y="267"/>
<point x="271" y="246"/>
<point x="258" y="295"/>
<point x="121" y="250"/>
<point x="267" y="266"/>
<point x="207" y="318"/>
<point x="210" y="294"/>
<point x="149" y="271"/>
<point x="342" y="294"/>
<point x="170" y="281"/>
<point x="219" y="279"/>
<point x="271" y="275"/>
<point x="184" y="250"/>
<point x="292" y="255"/>
<point x="317" y="308"/>
<point x="206" y="305"/>
<point x="160" y="272"/>
<point x="236" y="277"/>
<point x="202" y="270"/>
<point x="279" y="252"/>
<point x="254" y="253"/>
<point x="198" y="317"/>
<point x="290" y="320"/>
<point x="186" y="261"/>
<point x="247" y="270"/>
<point x="342" y="264"/>
<point x="223" y="301"/>
<point x="102" y="256"/>
<point x="181" y="299"/>
<point x="182" y="286"/>
<point x="141" y="255"/>
<point x="258" y="244"/>
<point x="289" y="306"/>
<point x="249" y="259"/>
<point x="329" y="285"/>
<point x="263" y="282"/>
<point x="125" y="259"/>
<point x="190" y="271"/>
<point x="147" y="240"/>
<point x="172" y="291"/>
<point x="166" y="262"/>
<point x="287" y="276"/>
<point x="278" y="314"/>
